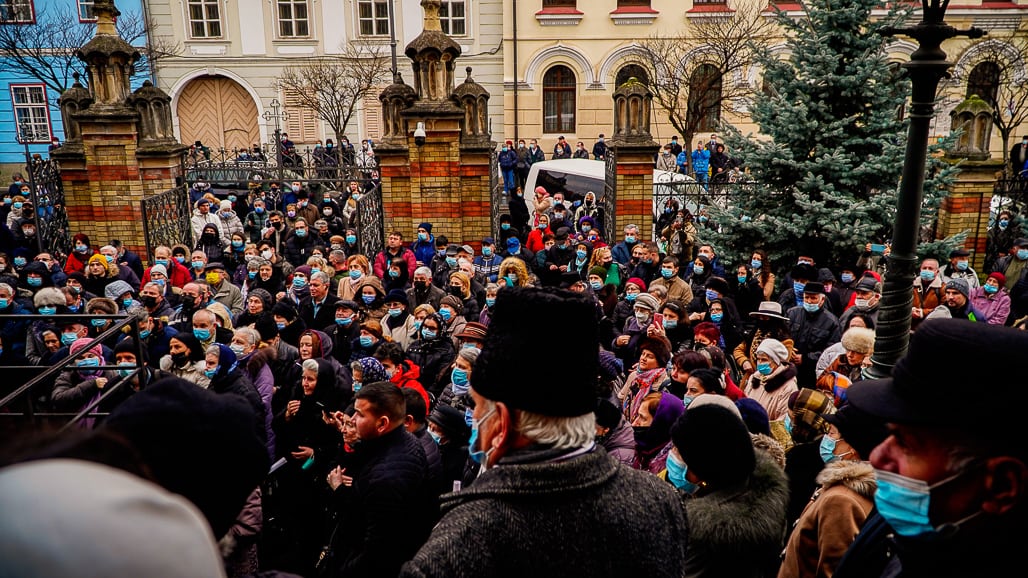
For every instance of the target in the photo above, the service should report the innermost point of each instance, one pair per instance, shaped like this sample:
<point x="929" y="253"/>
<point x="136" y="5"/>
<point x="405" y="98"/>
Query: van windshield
<point x="569" y="184"/>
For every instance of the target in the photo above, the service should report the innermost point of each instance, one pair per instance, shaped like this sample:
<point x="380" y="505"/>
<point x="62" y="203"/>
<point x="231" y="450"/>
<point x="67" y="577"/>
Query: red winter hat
<point x="637" y="281"/>
<point x="999" y="277"/>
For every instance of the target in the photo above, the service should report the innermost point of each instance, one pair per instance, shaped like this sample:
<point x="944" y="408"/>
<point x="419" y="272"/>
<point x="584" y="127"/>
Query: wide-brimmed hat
<point x="771" y="309"/>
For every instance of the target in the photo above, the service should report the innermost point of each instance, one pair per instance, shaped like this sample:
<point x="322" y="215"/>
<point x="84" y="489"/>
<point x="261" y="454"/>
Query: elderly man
<point x="813" y="329"/>
<point x="223" y="290"/>
<point x="544" y="483"/>
<point x="959" y="267"/>
<point x="952" y="477"/>
<point x="318" y="310"/>
<point x="867" y="294"/>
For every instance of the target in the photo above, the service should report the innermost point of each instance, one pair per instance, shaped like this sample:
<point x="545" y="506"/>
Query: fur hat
<point x="774" y="349"/>
<point x="101" y="305"/>
<point x="659" y="347"/>
<point x="859" y="340"/>
<point x="501" y="373"/>
<point x="718" y="284"/>
<point x="215" y="439"/>
<point x="49" y="297"/>
<point x="453" y="302"/>
<point x="754" y="416"/>
<point x="707" y="434"/>
<point x="451" y="421"/>
<point x="284" y="309"/>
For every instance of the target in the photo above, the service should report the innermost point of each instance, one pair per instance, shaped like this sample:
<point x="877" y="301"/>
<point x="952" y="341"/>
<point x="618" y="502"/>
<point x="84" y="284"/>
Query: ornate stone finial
<point x="468" y="71"/>
<point x="632" y="109"/>
<point x="106" y="14"/>
<point x="474" y="99"/>
<point x="973" y="118"/>
<point x="431" y="8"/>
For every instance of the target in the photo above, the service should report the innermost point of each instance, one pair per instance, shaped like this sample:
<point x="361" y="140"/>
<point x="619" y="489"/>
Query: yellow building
<point x="567" y="56"/>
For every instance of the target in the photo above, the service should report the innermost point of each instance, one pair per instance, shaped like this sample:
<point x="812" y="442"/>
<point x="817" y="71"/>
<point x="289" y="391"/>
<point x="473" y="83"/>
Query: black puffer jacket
<point x="433" y="356"/>
<point x="393" y="509"/>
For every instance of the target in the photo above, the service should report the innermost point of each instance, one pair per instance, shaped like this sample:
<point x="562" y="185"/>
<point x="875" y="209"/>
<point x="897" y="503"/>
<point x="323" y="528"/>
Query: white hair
<point x="562" y="433"/>
<point x="249" y="334"/>
<point x="310" y="365"/>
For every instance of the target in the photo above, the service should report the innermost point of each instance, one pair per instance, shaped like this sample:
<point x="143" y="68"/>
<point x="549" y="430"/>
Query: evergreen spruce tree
<point x="827" y="174"/>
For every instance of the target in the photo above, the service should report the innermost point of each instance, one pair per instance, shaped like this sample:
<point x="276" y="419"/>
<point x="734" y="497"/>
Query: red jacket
<point x="178" y="275"/>
<point x="407" y="375"/>
<point x="76" y="264"/>
<point x="382" y="265"/>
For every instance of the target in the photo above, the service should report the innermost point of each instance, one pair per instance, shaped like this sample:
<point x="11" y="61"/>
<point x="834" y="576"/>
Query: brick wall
<point x="967" y="207"/>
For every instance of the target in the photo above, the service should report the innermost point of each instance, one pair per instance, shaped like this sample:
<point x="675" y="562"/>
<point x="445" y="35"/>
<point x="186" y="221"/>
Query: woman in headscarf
<point x="651" y="371"/>
<point x="255" y="359"/>
<point x="211" y="243"/>
<point x="186" y="359"/>
<point x="258" y="304"/>
<point x="457" y="393"/>
<point x="314" y="344"/>
<point x="222" y="368"/>
<point x="657" y="413"/>
<point x="775" y="379"/>
<point x="433" y="352"/>
<point x="371" y="298"/>
<point x="701" y="272"/>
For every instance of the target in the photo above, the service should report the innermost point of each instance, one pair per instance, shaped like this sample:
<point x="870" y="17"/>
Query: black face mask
<point x="456" y="291"/>
<point x="179" y="358"/>
<point x="148" y="300"/>
<point x="420" y="285"/>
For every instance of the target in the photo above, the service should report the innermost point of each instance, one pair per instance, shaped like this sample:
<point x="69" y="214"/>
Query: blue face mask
<point x="395" y="312"/>
<point x="259" y="210"/>
<point x="19" y="261"/>
<point x="428" y="333"/>
<point x="251" y="274"/>
<point x="787" y="424"/>
<point x="581" y="254"/>
<point x="511" y="281"/>
<point x="4" y="303"/>
<point x="344" y="321"/>
<point x="811" y="307"/>
<point x="422" y="236"/>
<point x="144" y="333"/>
<point x="717" y="317"/>
<point x="827" y="449"/>
<point x="1022" y="254"/>
<point x="435" y="437"/>
<point x="487" y="252"/>
<point x="629" y="239"/>
<point x="355" y="273"/>
<point x="47" y="310"/>
<point x="128" y="368"/>
<point x="69" y="338"/>
<point x="490" y="301"/>
<point x="351" y="239"/>
<point x="88" y="362"/>
<point x="237" y="243"/>
<point x="764" y="368"/>
<point x="98" y="322"/>
<point x="630" y="297"/>
<point x="446" y="314"/>
<point x="393" y="273"/>
<point x="127" y="302"/>
<point x="667" y="273"/>
<point x="797" y="288"/>
<point x="299" y="282"/>
<point x="202" y="334"/>
<point x="357" y="386"/>
<point x="698" y="269"/>
<point x="905" y="502"/>
<point x="366" y="341"/>
<point x="417" y="325"/>
<point x="197" y="264"/>
<point x="210" y="373"/>
<point x="676" y="471"/>
<point x="990" y="289"/>
<point x="846" y="277"/>
<point x="451" y="261"/>
<point x="301" y="233"/>
<point x="711" y="294"/>
<point x="180" y="260"/>
<point x="368" y="299"/>
<point x="741" y="279"/>
<point x="459" y="377"/>
<point x="478" y="456"/>
<point x="928" y="275"/>
<point x="670" y="323"/>
<point x="281" y="325"/>
<point x="596" y="285"/>
<point x="34" y="281"/>
<point x="755" y="264"/>
<point x="505" y="226"/>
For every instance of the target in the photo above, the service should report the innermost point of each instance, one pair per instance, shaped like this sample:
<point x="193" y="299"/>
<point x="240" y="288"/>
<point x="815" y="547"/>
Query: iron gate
<point x="370" y="223"/>
<point x="609" y="201"/>
<point x="497" y="198"/>
<point x="51" y="213"/>
<point x="166" y="219"/>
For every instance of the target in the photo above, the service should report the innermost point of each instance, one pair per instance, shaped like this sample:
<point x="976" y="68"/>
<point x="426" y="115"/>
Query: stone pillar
<point x="967" y="207"/>
<point x="635" y="148"/>
<point x="120" y="148"/>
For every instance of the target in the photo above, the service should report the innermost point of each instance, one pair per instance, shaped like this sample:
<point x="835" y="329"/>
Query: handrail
<point x="123" y="320"/>
<point x="110" y="390"/>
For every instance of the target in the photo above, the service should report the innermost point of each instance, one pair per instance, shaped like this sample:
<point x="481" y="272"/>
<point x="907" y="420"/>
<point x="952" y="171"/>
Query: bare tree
<point x="999" y="69"/>
<point x="728" y="44"/>
<point x="46" y="49"/>
<point x="334" y="86"/>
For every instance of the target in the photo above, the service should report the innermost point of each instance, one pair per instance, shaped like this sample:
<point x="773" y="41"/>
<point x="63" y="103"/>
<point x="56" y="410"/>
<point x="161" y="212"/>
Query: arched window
<point x="631" y="71"/>
<point x="984" y="81"/>
<point x="559" y="92"/>
<point x="705" y="97"/>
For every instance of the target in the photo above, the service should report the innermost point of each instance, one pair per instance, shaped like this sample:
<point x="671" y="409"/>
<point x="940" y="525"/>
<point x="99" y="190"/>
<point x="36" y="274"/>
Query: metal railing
<point x="167" y="219"/>
<point x="121" y="323"/>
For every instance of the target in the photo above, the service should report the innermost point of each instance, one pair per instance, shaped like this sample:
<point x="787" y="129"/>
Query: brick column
<point x="967" y="207"/>
<point x="635" y="186"/>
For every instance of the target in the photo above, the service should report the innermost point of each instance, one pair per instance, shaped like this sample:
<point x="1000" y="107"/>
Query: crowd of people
<point x="549" y="401"/>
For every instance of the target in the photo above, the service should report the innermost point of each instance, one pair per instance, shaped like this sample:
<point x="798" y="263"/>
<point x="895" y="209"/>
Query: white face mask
<point x="861" y="303"/>
<point x="266" y="254"/>
<point x="642" y="318"/>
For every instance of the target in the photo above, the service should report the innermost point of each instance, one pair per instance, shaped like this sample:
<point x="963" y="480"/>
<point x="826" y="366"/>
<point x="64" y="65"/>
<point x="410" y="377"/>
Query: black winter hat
<point x="607" y="414"/>
<point x="660" y="347"/>
<point x="266" y="327"/>
<point x="214" y="457"/>
<point x="804" y="271"/>
<point x="501" y="372"/>
<point x="284" y="309"/>
<point x="718" y="284"/>
<point x="451" y="421"/>
<point x="860" y="429"/>
<point x="715" y="444"/>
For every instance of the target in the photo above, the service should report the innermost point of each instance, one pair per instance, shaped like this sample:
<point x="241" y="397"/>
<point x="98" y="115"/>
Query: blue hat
<point x="513" y="242"/>
<point x="488" y="241"/>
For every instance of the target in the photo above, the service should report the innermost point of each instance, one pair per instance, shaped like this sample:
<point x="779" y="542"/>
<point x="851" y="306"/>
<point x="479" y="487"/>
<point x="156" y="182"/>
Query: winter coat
<point x="431" y="295"/>
<point x="229" y="225"/>
<point x="325" y="316"/>
<point x="192" y="371"/>
<point x="508" y="159"/>
<point x="424" y="250"/>
<point x="831" y="521"/>
<point x="385" y="256"/>
<point x="738" y="531"/>
<point x="392" y="510"/>
<point x="772" y="392"/>
<point x="259" y="372"/>
<point x="199" y="221"/>
<point x="994" y="308"/>
<point x="524" y="517"/>
<point x="298" y="250"/>
<point x="433" y="356"/>
<point x="677" y="289"/>
<point x="811" y="335"/>
<point x="701" y="161"/>
<point x="400" y="330"/>
<point x="620" y="443"/>
<point x="178" y="274"/>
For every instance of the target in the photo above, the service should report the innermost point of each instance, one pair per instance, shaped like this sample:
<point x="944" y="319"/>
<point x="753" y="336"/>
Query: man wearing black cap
<point x="558" y="258"/>
<point x="813" y="330"/>
<point x="952" y="477"/>
<point x="546" y="496"/>
<point x="960" y="268"/>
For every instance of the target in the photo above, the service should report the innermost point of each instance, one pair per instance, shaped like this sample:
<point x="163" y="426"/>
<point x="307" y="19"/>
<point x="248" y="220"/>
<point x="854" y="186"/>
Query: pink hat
<point x="81" y="343"/>
<point x="540" y="190"/>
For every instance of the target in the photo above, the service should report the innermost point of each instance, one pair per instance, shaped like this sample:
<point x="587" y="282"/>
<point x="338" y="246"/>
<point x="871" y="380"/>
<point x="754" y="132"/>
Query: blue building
<point x="30" y="99"/>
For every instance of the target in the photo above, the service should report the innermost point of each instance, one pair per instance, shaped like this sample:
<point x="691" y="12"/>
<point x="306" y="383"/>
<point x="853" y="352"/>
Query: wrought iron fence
<point x="497" y="198"/>
<point x="167" y="219"/>
<point x="370" y="222"/>
<point x="319" y="168"/>
<point x="51" y="213"/>
<point x="609" y="201"/>
<point x="695" y="197"/>
<point x="1009" y="194"/>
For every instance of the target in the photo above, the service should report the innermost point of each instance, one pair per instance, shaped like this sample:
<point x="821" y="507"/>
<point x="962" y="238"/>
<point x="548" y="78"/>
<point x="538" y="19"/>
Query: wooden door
<point x="219" y="112"/>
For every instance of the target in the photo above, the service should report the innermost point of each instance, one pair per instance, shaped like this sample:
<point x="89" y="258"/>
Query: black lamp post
<point x="927" y="66"/>
<point x="27" y="135"/>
